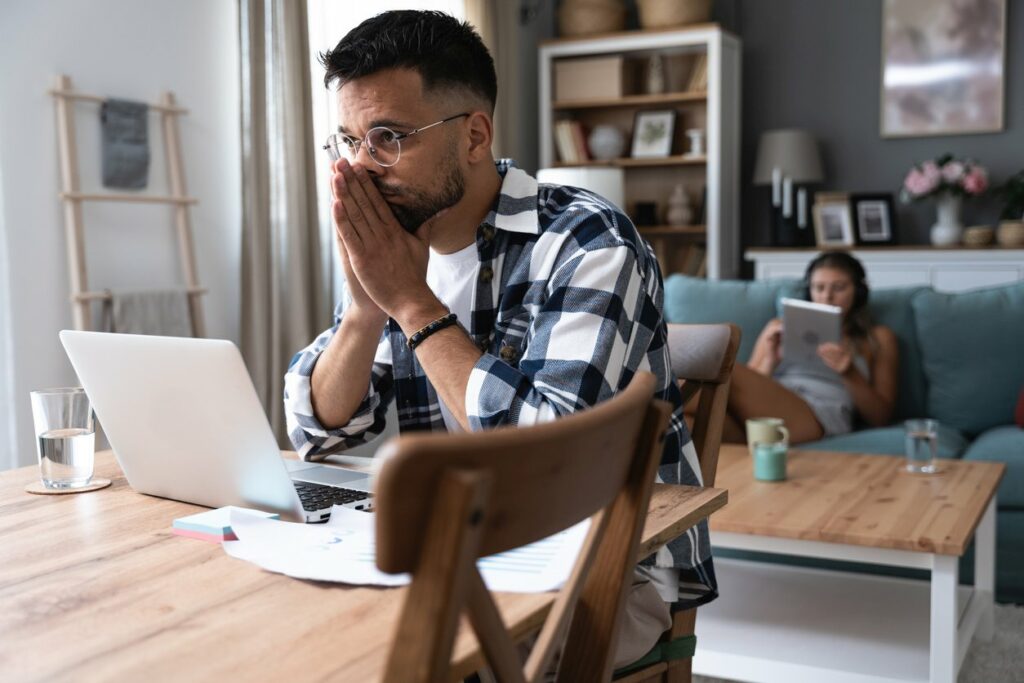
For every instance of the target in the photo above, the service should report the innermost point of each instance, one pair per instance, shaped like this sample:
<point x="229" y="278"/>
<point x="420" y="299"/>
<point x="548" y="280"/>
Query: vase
<point x="947" y="229"/>
<point x="679" y="211"/>
<point x="606" y="142"/>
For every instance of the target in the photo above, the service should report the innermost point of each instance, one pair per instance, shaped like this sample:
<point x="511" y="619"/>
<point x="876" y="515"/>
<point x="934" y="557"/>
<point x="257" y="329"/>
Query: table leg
<point x="985" y="570"/>
<point x="944" y="618"/>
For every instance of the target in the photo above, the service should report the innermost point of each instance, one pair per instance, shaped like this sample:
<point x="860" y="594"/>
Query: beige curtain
<point x="284" y="292"/>
<point x="497" y="22"/>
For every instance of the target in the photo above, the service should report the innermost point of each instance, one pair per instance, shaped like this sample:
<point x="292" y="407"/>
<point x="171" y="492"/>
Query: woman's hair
<point x="858" y="321"/>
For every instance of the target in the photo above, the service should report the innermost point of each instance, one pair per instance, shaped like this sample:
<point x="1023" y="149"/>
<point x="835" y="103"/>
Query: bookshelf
<point x="708" y="100"/>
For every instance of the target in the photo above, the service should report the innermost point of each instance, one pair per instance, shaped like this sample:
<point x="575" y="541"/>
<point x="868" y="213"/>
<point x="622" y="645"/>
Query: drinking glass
<point x="65" y="437"/>
<point x="922" y="444"/>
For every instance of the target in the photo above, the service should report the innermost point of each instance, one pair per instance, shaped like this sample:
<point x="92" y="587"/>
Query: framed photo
<point x="874" y="218"/>
<point x="942" y="67"/>
<point x="652" y="134"/>
<point x="833" y="224"/>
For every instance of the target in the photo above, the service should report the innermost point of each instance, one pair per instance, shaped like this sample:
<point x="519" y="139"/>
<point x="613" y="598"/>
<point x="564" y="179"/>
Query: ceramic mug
<point x="770" y="460"/>
<point x="766" y="430"/>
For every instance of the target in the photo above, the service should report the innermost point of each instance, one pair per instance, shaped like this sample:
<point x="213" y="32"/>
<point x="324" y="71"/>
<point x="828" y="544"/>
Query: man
<point x="476" y="297"/>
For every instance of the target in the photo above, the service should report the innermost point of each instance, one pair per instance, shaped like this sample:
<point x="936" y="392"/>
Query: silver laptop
<point x="184" y="422"/>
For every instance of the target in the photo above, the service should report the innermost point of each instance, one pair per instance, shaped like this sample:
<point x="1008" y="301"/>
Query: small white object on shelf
<point x="606" y="142"/>
<point x="696" y="136"/>
<point x="679" y="211"/>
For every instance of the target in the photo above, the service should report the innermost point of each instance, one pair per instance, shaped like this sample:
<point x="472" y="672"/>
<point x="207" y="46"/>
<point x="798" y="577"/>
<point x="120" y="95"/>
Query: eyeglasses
<point x="383" y="144"/>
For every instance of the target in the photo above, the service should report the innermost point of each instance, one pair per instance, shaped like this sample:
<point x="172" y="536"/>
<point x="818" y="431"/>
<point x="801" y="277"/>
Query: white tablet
<point x="805" y="325"/>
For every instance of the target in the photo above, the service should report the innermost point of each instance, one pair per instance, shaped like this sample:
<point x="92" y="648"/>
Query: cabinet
<point x="945" y="270"/>
<point x="711" y="180"/>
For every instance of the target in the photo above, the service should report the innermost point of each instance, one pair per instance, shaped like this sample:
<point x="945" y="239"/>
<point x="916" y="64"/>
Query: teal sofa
<point x="961" y="362"/>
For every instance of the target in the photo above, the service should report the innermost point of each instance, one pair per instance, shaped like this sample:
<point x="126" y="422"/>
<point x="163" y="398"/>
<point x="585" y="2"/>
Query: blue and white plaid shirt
<point x="567" y="308"/>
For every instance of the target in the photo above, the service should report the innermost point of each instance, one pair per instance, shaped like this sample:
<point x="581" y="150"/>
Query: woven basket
<point x="667" y="13"/>
<point x="1011" y="234"/>
<point x="587" y="17"/>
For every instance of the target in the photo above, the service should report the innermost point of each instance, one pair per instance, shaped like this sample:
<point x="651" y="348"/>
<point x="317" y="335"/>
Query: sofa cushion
<point x="747" y="304"/>
<point x="887" y="441"/>
<point x="970" y="348"/>
<point x="892" y="308"/>
<point x="1006" y="445"/>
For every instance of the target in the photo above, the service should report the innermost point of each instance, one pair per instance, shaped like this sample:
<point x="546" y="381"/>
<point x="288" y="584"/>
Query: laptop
<point x="184" y="422"/>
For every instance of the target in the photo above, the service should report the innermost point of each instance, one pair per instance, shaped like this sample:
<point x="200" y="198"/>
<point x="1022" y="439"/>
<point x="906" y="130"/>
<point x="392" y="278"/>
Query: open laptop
<point x="184" y="422"/>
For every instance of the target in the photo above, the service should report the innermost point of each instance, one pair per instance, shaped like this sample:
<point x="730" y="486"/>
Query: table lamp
<point x="786" y="157"/>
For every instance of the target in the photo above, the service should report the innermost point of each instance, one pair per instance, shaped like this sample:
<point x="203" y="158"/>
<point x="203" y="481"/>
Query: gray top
<point x="823" y="390"/>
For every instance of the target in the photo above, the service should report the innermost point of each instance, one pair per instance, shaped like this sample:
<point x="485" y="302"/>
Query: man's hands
<point x="386" y="267"/>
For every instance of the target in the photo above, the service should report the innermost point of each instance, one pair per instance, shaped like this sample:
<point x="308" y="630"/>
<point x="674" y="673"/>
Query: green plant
<point x="1012" y="194"/>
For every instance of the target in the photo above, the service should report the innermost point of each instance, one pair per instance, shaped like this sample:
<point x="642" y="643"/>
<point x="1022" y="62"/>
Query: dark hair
<point x="858" y="321"/>
<point x="445" y="52"/>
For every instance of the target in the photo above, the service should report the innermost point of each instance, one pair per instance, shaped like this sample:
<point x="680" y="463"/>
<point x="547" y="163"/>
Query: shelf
<point x="671" y="230"/>
<point x="627" y="162"/>
<point x="634" y="100"/>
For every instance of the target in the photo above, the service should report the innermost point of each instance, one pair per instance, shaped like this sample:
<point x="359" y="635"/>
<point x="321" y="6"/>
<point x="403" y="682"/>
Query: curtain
<point x="487" y="16"/>
<point x="284" y="292"/>
<point x="8" y="437"/>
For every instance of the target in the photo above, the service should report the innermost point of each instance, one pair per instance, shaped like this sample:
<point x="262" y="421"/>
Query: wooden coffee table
<point x="782" y="623"/>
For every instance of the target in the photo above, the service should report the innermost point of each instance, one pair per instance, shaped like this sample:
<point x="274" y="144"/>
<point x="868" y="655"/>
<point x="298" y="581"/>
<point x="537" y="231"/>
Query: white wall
<point x="132" y="49"/>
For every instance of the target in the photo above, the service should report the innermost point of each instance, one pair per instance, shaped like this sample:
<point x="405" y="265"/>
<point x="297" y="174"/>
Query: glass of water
<point x="922" y="443"/>
<point x="65" y="437"/>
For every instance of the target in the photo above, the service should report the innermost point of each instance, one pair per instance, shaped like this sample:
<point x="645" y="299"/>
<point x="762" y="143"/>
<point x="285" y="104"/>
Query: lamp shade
<point x="610" y="183"/>
<point x="793" y="151"/>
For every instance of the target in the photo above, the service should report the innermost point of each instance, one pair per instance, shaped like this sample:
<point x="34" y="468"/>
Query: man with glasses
<point x="476" y="297"/>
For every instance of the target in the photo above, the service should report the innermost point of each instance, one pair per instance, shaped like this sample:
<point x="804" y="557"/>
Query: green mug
<point x="766" y="430"/>
<point x="770" y="461"/>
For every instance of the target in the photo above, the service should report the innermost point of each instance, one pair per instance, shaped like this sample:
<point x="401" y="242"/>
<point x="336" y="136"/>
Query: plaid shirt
<point x="567" y="308"/>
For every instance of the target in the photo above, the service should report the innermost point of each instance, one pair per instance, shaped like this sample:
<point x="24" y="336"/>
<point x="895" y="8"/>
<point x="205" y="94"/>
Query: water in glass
<point x="922" y="449"/>
<point x="66" y="457"/>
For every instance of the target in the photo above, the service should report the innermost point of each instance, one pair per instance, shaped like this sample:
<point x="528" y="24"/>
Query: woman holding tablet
<point x="856" y="377"/>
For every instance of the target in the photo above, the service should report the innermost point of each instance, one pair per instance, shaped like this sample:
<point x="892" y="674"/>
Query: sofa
<point x="961" y="362"/>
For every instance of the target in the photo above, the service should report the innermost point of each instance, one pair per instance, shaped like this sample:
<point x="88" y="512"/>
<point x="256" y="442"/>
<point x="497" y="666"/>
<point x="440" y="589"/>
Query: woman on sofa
<point x="859" y="377"/>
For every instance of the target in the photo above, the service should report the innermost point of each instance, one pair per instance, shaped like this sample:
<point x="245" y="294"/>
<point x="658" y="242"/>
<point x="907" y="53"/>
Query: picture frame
<point x="653" y="132"/>
<point x="833" y="224"/>
<point x="921" y="38"/>
<point x="874" y="219"/>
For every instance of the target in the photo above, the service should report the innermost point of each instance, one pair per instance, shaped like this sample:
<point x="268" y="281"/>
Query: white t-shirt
<point x="452" y="278"/>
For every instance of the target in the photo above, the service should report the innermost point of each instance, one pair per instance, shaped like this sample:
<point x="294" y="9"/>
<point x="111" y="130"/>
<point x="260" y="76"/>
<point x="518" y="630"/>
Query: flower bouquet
<point x="948" y="180"/>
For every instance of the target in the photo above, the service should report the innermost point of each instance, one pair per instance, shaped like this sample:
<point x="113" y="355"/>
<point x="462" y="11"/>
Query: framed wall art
<point x="942" y="67"/>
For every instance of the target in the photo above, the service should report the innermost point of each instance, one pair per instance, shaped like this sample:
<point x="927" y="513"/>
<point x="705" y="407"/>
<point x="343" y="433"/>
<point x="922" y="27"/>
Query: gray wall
<point x="816" y="64"/>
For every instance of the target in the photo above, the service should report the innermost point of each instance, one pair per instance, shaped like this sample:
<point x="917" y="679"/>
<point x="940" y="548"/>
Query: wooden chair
<point x="702" y="359"/>
<point x="445" y="500"/>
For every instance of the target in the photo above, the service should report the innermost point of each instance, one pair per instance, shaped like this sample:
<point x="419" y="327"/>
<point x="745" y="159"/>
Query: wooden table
<point x="786" y="623"/>
<point x="94" y="586"/>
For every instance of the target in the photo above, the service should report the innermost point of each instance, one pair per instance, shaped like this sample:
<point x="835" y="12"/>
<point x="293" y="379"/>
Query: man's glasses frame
<point x="336" y="142"/>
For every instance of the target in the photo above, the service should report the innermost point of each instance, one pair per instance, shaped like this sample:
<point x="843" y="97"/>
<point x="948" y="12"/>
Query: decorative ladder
<point x="72" y="197"/>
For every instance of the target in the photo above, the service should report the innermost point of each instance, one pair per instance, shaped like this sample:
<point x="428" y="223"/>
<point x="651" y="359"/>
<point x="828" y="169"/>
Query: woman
<point x="858" y="376"/>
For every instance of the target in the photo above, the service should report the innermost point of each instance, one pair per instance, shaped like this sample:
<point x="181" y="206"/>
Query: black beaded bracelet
<point x="417" y="337"/>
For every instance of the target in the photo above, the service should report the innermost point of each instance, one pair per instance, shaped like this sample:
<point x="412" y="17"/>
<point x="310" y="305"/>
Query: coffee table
<point x="784" y="623"/>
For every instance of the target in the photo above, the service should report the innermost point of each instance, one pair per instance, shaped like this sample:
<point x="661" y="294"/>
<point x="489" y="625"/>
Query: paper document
<point x="343" y="551"/>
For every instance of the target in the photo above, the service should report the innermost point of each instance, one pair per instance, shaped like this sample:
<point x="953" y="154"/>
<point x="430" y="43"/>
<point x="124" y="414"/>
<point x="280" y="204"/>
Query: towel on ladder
<point x="125" y="142"/>
<point x="160" y="312"/>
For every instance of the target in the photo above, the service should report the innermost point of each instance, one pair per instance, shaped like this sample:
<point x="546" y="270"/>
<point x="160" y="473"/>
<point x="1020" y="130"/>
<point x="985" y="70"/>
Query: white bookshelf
<point x="717" y="110"/>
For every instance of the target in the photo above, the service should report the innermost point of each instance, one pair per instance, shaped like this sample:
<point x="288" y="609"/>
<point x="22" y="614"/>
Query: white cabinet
<point x="946" y="270"/>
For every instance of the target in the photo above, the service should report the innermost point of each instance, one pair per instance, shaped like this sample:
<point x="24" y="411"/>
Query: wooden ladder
<point x="72" y="198"/>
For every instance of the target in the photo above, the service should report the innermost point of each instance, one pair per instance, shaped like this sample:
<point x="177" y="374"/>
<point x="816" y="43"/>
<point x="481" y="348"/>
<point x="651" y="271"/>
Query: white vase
<point x="606" y="142"/>
<point x="947" y="229"/>
<point x="679" y="211"/>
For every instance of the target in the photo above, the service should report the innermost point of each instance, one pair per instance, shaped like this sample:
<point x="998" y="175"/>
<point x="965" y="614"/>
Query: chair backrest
<point x="702" y="358"/>
<point x="445" y="500"/>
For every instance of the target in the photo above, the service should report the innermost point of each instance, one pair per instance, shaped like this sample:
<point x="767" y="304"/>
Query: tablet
<point x="805" y="325"/>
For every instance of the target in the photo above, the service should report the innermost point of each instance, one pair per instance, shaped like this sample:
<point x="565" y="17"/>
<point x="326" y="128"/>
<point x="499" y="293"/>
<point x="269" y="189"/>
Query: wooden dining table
<point x="94" y="586"/>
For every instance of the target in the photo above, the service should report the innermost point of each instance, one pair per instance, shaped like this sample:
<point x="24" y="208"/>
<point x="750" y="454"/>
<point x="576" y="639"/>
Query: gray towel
<point x="161" y="312"/>
<point x="125" y="127"/>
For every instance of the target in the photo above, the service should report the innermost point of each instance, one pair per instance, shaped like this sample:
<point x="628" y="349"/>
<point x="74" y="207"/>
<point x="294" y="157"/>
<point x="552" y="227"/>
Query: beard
<point x="417" y="205"/>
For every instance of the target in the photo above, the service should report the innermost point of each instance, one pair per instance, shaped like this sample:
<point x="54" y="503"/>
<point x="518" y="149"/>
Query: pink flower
<point x="976" y="181"/>
<point x="952" y="172"/>
<point x="931" y="171"/>
<point x="919" y="183"/>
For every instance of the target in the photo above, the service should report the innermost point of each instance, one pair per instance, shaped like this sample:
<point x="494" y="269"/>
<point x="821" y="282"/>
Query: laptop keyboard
<point x="317" y="497"/>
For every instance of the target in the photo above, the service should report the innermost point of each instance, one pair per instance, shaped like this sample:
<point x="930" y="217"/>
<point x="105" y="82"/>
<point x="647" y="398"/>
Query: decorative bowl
<point x="1011" y="234"/>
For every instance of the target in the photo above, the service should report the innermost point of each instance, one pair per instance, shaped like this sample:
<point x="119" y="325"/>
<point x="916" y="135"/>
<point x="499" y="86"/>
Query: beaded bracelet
<point x="417" y="337"/>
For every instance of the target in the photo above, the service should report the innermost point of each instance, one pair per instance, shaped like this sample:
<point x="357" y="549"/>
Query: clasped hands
<point x="384" y="265"/>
